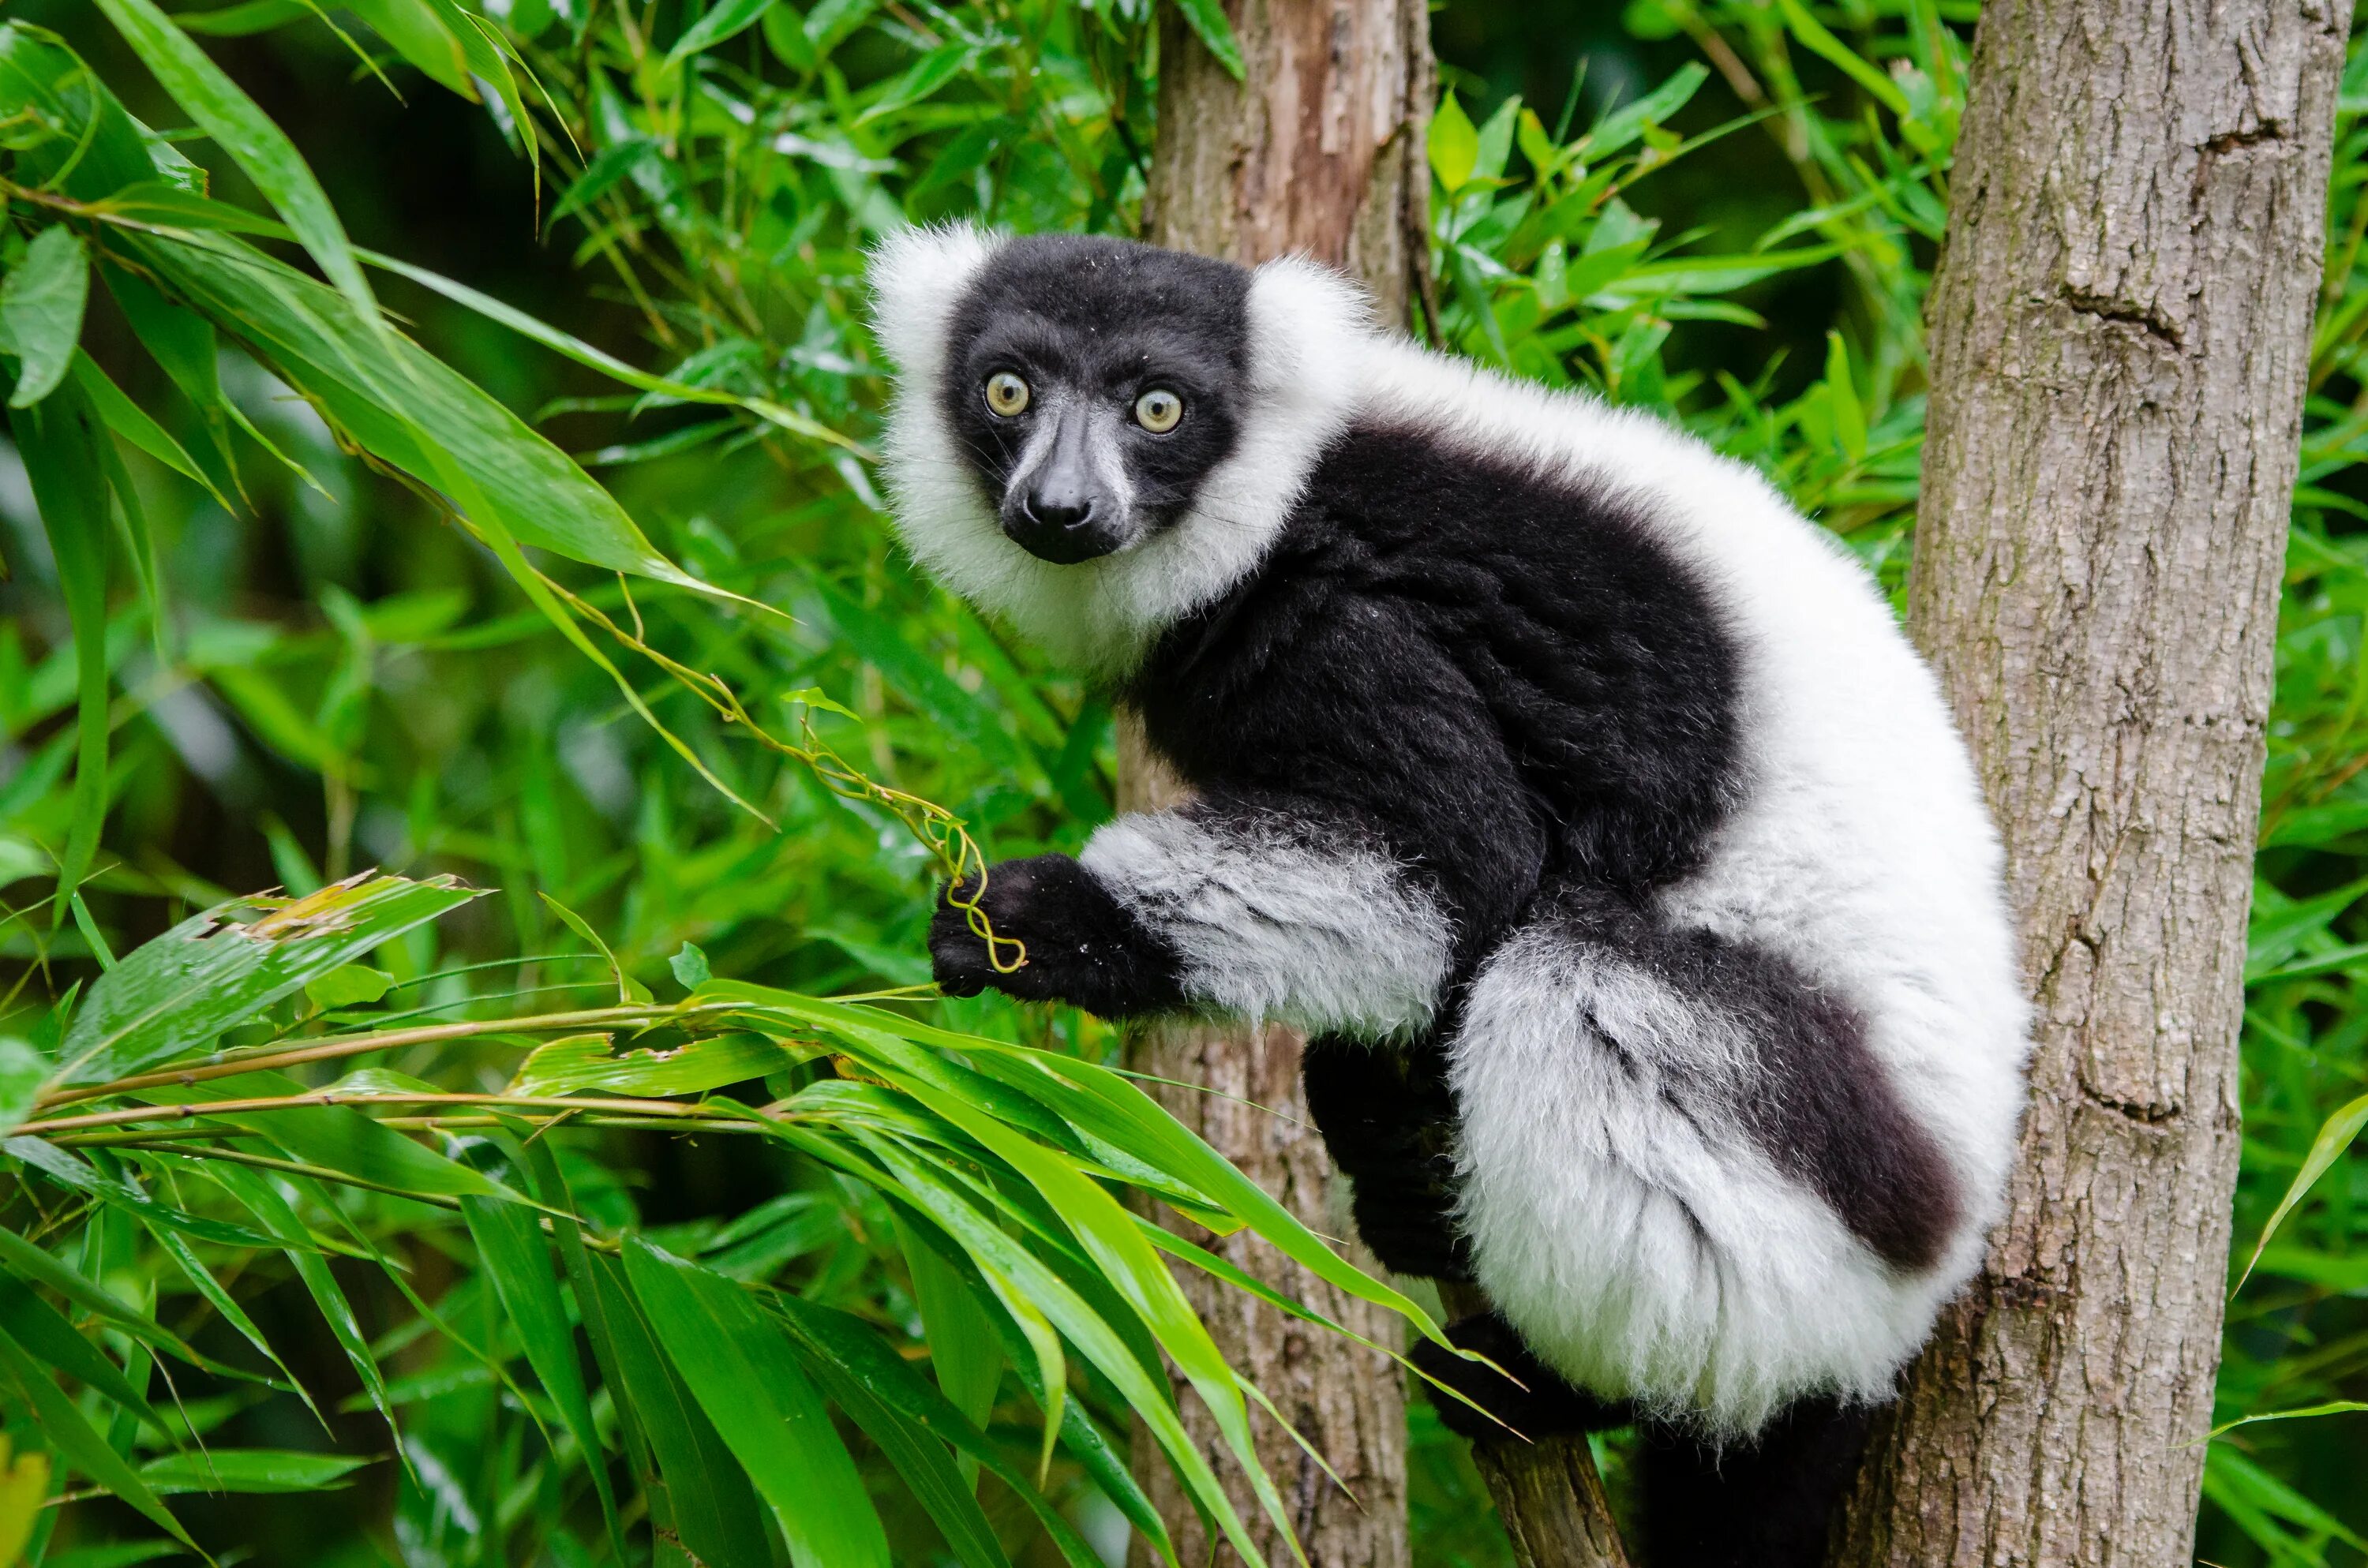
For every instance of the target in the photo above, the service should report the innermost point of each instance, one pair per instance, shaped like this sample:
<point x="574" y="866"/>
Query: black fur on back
<point x="1508" y="673"/>
<point x="1109" y="318"/>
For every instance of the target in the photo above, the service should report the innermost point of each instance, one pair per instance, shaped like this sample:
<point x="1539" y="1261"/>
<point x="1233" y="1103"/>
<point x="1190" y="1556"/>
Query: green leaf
<point x="404" y="405"/>
<point x="72" y="1171"/>
<point x="249" y="1470"/>
<point x="61" y="1424"/>
<point x="274" y="1212"/>
<point x="129" y="420"/>
<point x="1208" y="22"/>
<point x="213" y="971"/>
<point x="738" y="1363"/>
<point x="53" y="1341"/>
<point x="58" y="440"/>
<point x="2301" y="1413"/>
<point x="1454" y="144"/>
<point x="23" y="1070"/>
<point x="415" y="32"/>
<point x="586" y="1062"/>
<point x="628" y="989"/>
<point x="1849" y="414"/>
<point x="1813" y="34"/>
<point x="334" y="1137"/>
<point x="32" y="1263"/>
<point x="40" y="312"/>
<point x="724" y="20"/>
<point x="705" y="1492"/>
<point x="1623" y="125"/>
<point x="689" y="966"/>
<point x="2334" y="1137"/>
<point x="851" y="1358"/>
<point x="510" y="1245"/>
<point x="347" y="986"/>
<point x="226" y="114"/>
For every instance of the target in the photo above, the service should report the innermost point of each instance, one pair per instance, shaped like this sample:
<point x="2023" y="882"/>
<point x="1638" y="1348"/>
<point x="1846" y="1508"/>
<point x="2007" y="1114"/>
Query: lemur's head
<point x="1091" y="438"/>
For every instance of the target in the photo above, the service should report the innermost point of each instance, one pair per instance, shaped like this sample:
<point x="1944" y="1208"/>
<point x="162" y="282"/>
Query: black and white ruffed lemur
<point x="1583" y="803"/>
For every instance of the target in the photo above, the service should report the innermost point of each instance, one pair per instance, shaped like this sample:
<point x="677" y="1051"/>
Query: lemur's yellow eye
<point x="1007" y="394"/>
<point x="1158" y="411"/>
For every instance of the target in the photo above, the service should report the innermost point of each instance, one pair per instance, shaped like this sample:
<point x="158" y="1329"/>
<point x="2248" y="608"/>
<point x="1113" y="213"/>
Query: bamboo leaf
<point x="45" y="1332"/>
<point x="243" y="130"/>
<point x="585" y="1062"/>
<point x="32" y="1265"/>
<point x="58" y="440"/>
<point x="40" y="312"/>
<point x="725" y="19"/>
<point x="706" y="1493"/>
<point x="1210" y="24"/>
<point x="510" y="1245"/>
<point x="249" y="1470"/>
<point x="62" y="1424"/>
<point x="851" y="1358"/>
<point x="274" y="1212"/>
<point x="2334" y="1137"/>
<point x="72" y="1171"/>
<point x="217" y="970"/>
<point x="1454" y="144"/>
<point x="738" y="1363"/>
<point x="22" y="1072"/>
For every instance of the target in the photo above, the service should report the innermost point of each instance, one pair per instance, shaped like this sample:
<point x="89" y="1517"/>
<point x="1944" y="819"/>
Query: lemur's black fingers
<point x="1541" y="1405"/>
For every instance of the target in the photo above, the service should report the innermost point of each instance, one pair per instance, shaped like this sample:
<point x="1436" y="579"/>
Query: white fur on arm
<point x="1336" y="941"/>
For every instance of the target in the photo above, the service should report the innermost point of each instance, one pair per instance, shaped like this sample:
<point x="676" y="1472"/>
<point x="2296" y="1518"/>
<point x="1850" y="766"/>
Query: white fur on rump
<point x="1626" y="1221"/>
<point x="1332" y="941"/>
<point x="1102" y="614"/>
<point x="1860" y="851"/>
<point x="1637" y="1253"/>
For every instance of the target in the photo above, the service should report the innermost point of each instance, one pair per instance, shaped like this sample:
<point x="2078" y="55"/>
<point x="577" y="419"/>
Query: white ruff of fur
<point x="1335" y="941"/>
<point x="1308" y="329"/>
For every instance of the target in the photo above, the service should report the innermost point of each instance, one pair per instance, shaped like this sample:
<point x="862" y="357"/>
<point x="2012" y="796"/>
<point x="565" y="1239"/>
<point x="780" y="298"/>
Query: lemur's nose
<point x="1065" y="510"/>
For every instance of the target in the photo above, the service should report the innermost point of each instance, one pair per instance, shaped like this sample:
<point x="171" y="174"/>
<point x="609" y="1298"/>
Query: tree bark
<point x="2120" y="331"/>
<point x="1548" y="1494"/>
<point x="1318" y="150"/>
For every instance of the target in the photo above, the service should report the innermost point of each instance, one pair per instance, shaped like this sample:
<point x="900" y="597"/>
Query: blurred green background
<point x="1697" y="207"/>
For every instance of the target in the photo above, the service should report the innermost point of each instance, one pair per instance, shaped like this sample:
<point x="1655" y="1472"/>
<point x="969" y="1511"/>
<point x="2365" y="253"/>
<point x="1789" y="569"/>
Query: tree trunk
<point x="2119" y="328"/>
<point x="1320" y="150"/>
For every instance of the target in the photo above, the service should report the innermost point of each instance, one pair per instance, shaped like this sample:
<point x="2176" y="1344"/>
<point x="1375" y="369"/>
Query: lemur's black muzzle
<point x="1064" y="511"/>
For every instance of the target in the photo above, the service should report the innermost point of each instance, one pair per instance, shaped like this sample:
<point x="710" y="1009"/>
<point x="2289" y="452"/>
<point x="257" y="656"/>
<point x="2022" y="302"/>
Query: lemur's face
<point x="1093" y="384"/>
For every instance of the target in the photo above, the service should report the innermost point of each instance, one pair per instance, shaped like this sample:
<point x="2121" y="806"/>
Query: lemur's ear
<point x="1306" y="322"/>
<point x="918" y="276"/>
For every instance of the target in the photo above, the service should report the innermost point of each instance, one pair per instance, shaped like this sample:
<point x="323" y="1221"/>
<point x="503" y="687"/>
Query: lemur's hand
<point x="1081" y="944"/>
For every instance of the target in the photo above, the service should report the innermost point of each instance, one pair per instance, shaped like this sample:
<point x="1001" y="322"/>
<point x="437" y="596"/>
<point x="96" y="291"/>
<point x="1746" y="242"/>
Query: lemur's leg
<point x="1388" y="1120"/>
<point x="1302" y="918"/>
<point x="1765" y="1502"/>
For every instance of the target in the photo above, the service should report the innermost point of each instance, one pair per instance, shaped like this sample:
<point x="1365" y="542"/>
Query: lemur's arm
<point x="1368" y="828"/>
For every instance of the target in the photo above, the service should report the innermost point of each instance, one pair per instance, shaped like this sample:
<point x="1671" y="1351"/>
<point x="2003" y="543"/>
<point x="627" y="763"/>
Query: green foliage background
<point x="246" y="640"/>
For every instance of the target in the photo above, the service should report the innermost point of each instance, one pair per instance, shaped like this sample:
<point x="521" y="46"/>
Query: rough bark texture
<point x="2120" y="330"/>
<point x="1548" y="1494"/>
<point x="1318" y="150"/>
<point x="1347" y="1401"/>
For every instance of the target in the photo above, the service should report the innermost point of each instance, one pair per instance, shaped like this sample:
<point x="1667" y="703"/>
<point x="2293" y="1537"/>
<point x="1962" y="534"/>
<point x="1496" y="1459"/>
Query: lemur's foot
<point x="1059" y="936"/>
<point x="1540" y="1404"/>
